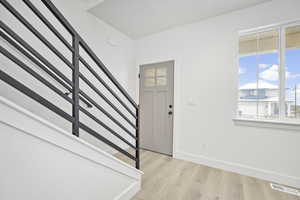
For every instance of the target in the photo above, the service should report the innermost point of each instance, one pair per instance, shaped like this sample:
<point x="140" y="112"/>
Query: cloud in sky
<point x="263" y="66"/>
<point x="272" y="74"/>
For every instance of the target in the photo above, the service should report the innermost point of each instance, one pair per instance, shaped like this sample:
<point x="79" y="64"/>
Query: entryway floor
<point x="166" y="178"/>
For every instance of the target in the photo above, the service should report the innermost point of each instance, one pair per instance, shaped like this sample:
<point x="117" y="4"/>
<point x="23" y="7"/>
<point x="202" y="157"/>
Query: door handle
<point x="170" y="112"/>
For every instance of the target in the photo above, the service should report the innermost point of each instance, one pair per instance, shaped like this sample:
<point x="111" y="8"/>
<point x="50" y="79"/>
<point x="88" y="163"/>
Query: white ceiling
<point x="138" y="18"/>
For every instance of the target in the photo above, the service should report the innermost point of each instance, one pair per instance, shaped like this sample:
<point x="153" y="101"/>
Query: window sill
<point x="265" y="123"/>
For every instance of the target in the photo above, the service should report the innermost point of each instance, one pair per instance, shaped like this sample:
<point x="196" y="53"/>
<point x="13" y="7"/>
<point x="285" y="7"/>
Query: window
<point x="155" y="77"/>
<point x="292" y="68"/>
<point x="269" y="73"/>
<point x="150" y="77"/>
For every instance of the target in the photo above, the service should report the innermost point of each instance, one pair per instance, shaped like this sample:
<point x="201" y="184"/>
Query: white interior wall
<point x="206" y="81"/>
<point x="114" y="49"/>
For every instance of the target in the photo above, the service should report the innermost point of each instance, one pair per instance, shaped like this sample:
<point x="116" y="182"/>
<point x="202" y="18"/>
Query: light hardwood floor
<point x="166" y="178"/>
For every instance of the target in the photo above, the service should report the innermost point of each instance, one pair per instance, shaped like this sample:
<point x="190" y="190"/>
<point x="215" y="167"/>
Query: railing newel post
<point x="137" y="151"/>
<point x="75" y="86"/>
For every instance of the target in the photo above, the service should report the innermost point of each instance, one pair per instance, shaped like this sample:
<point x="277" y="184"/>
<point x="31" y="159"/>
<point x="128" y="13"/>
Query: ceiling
<point x="138" y="18"/>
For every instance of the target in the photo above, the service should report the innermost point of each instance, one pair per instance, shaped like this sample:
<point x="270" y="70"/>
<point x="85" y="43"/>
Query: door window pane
<point x="149" y="82"/>
<point x="161" y="81"/>
<point x="150" y="72"/>
<point x="161" y="72"/>
<point x="155" y="77"/>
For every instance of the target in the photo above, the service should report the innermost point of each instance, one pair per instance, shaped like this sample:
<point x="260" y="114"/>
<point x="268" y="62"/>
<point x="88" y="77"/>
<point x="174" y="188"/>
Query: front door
<point x="156" y="106"/>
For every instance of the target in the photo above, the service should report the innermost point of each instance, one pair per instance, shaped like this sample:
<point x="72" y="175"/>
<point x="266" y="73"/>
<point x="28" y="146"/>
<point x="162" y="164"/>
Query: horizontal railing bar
<point x="34" y="31"/>
<point x="48" y="24"/>
<point x="35" y="61"/>
<point x="33" y="95"/>
<point x="106" y="71"/>
<point x="56" y="90"/>
<point x="108" y="102"/>
<point x="25" y="90"/>
<point x="44" y="81"/>
<point x="34" y="52"/>
<point x="106" y="141"/>
<point x="68" y="26"/>
<point x="4" y="36"/>
<point x="81" y="99"/>
<point x="37" y="76"/>
<point x="59" y="16"/>
<point x="34" y="74"/>
<point x="104" y="111"/>
<point x="84" y="101"/>
<point x="82" y="60"/>
<point x="105" y="126"/>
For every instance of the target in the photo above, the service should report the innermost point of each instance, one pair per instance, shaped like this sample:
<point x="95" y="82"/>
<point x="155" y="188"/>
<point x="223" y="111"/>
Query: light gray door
<point x="156" y="106"/>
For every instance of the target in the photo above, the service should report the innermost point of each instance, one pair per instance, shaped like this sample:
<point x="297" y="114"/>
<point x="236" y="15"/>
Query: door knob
<point x="170" y="112"/>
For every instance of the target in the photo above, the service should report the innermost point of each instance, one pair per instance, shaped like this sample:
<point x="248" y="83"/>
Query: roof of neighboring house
<point x="269" y="99"/>
<point x="261" y="85"/>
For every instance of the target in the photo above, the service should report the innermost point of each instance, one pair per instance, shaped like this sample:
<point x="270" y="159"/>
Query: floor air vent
<point x="285" y="189"/>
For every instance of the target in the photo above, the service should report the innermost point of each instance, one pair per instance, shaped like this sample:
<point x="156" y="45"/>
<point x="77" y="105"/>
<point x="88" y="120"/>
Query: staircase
<point x="86" y="99"/>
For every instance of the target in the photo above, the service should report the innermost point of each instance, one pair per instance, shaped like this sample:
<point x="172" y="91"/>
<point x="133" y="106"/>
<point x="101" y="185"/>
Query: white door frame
<point x="176" y="98"/>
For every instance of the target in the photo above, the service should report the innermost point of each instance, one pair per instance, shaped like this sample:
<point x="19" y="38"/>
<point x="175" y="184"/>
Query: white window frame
<point x="282" y="121"/>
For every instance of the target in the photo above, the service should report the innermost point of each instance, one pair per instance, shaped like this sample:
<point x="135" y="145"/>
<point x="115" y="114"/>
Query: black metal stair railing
<point x="72" y="86"/>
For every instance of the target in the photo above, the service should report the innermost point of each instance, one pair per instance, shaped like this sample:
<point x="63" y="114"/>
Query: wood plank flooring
<point x="166" y="178"/>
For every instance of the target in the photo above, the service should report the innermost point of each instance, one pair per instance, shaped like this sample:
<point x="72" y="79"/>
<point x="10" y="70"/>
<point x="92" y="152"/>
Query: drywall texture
<point x="206" y="79"/>
<point x="112" y="47"/>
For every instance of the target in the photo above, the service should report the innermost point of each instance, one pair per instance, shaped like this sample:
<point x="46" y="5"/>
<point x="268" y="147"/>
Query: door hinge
<point x="139" y="76"/>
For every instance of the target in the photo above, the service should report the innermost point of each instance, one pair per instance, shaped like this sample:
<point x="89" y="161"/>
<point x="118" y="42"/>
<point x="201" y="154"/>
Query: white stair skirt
<point x="41" y="161"/>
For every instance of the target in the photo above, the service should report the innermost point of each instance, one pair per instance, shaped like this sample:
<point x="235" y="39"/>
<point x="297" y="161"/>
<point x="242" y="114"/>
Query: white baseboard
<point x="240" y="169"/>
<point x="129" y="192"/>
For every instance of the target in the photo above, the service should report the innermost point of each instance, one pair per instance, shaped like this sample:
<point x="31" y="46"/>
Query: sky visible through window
<point x="267" y="65"/>
<point x="259" y="81"/>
